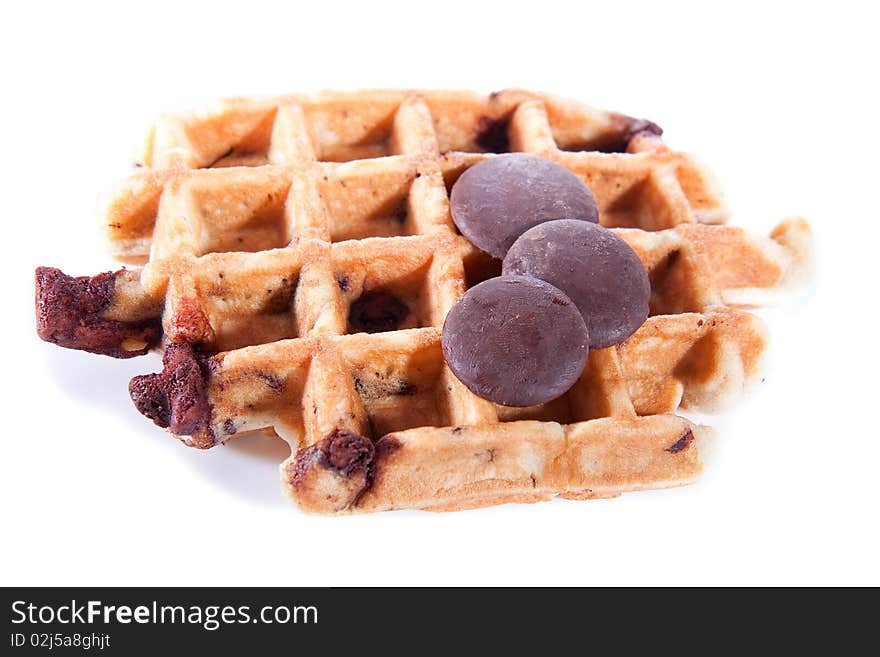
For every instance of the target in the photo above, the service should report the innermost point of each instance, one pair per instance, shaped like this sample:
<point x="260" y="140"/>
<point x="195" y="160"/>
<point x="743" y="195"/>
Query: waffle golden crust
<point x="302" y="257"/>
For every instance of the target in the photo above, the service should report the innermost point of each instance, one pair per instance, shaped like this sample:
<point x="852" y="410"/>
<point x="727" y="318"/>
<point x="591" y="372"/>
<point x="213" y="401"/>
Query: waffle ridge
<point x="261" y="224"/>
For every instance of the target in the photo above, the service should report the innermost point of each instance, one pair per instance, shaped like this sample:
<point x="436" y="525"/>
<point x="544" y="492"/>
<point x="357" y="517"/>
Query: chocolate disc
<point x="497" y="200"/>
<point x="516" y="341"/>
<point x="599" y="272"/>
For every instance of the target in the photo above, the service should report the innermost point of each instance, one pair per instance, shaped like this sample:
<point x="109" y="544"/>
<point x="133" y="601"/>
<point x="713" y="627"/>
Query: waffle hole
<point x="240" y="157"/>
<point x="480" y="266"/>
<point x="609" y="143"/>
<point x="615" y="140"/>
<point x="556" y="410"/>
<point x="260" y="232"/>
<point x="343" y="135"/>
<point x="364" y="201"/>
<point x="455" y="166"/>
<point x="642" y="205"/>
<point x="236" y="138"/>
<point x="404" y="392"/>
<point x="594" y="395"/>
<point x="243" y="220"/>
<point x="251" y="312"/>
<point x="473" y="133"/>
<point x="361" y="151"/>
<point x="450" y="176"/>
<point x="628" y="209"/>
<point x="383" y="310"/>
<point x="673" y="287"/>
<point x="378" y="311"/>
<point x="401" y="302"/>
<point x="389" y="218"/>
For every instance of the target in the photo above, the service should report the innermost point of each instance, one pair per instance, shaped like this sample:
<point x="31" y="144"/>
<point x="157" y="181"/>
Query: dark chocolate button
<point x="516" y="341"/>
<point x="599" y="272"/>
<point x="497" y="200"/>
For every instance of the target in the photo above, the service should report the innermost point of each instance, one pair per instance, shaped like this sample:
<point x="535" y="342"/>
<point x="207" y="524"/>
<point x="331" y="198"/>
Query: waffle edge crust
<point x="295" y="260"/>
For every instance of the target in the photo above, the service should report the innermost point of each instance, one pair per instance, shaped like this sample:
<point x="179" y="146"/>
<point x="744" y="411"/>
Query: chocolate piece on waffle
<point x="105" y="314"/>
<point x="262" y="223"/>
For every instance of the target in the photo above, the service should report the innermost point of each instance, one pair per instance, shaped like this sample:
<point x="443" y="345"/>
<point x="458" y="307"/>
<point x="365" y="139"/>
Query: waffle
<point x="300" y="255"/>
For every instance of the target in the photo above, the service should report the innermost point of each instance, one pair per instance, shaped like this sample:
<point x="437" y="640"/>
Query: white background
<point x="780" y="102"/>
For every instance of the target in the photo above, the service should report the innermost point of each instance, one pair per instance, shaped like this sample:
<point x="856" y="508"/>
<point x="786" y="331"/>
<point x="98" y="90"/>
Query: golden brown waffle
<point x="263" y="222"/>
